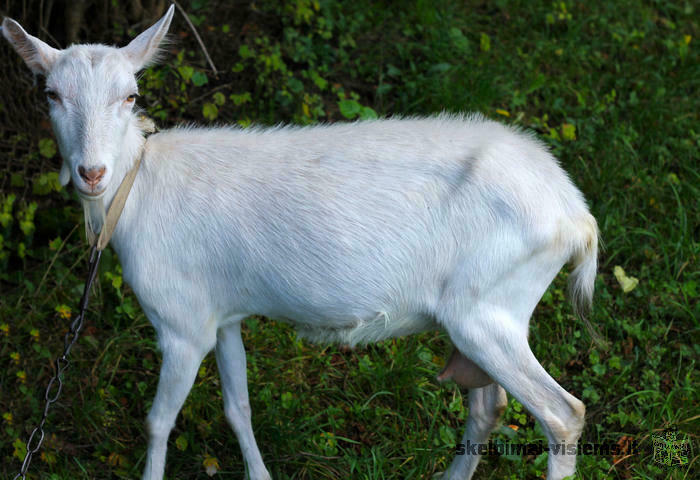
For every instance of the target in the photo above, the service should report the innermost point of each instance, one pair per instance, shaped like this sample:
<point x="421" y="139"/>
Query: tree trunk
<point x="74" y="20"/>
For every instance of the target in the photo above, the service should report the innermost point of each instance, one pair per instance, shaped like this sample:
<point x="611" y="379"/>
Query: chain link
<point x="60" y="365"/>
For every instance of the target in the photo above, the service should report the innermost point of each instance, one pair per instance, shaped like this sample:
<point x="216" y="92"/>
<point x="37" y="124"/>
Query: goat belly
<point x="379" y="327"/>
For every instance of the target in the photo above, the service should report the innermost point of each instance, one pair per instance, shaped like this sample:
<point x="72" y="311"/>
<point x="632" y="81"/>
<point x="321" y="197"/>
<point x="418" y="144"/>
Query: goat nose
<point x="93" y="175"/>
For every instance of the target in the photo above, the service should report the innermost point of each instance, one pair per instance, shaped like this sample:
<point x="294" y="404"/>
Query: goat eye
<point x="51" y="95"/>
<point x="131" y="98"/>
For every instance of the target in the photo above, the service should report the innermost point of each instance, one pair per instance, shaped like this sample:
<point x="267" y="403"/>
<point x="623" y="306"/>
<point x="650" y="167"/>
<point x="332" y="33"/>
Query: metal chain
<point x="61" y="364"/>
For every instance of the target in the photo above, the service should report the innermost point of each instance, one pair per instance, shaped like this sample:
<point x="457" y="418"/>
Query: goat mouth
<point x="90" y="195"/>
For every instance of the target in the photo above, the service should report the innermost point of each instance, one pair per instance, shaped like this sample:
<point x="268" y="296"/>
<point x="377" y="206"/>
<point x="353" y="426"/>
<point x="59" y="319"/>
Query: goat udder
<point x="464" y="372"/>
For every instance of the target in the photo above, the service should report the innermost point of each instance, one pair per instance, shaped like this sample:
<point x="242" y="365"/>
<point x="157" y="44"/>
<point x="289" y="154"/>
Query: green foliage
<point x="6" y="213"/>
<point x="485" y="42"/>
<point x="199" y="78"/>
<point x="209" y="111"/>
<point x="46" y="183"/>
<point x="610" y="87"/>
<point x="26" y="219"/>
<point x="352" y="109"/>
<point x="47" y="147"/>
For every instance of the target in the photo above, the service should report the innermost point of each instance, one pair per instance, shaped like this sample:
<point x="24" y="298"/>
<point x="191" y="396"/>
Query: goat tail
<point x="582" y="279"/>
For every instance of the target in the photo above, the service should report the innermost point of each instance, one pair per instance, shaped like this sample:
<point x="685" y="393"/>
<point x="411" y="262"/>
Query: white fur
<point x="354" y="232"/>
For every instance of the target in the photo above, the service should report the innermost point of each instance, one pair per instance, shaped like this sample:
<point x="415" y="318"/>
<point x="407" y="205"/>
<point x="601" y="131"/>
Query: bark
<point x="74" y="20"/>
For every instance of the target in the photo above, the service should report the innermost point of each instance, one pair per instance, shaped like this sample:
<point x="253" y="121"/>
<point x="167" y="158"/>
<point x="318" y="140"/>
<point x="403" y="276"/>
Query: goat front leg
<point x="230" y="357"/>
<point x="181" y="360"/>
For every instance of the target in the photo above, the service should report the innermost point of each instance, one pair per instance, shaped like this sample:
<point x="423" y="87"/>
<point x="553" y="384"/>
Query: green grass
<point x="610" y="86"/>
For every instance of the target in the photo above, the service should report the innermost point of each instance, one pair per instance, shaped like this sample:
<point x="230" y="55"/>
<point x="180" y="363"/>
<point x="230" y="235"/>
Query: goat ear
<point x="64" y="174"/>
<point x="38" y="56"/>
<point x="144" y="49"/>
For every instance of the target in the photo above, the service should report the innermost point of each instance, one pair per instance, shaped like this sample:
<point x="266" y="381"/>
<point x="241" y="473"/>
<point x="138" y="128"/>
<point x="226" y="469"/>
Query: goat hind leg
<point x="497" y="343"/>
<point x="486" y="405"/>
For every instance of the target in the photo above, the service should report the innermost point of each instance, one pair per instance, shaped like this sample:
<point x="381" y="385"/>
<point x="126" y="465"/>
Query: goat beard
<point x="95" y="214"/>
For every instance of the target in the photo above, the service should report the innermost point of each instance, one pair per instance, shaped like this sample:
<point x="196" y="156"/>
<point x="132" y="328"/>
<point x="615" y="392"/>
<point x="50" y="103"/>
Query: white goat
<point x="353" y="232"/>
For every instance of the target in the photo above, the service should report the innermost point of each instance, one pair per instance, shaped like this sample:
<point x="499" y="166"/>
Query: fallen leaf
<point x="211" y="465"/>
<point x="627" y="283"/>
<point x="568" y="131"/>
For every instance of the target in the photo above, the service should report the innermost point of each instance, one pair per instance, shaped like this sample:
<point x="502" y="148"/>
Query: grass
<point x="610" y="86"/>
